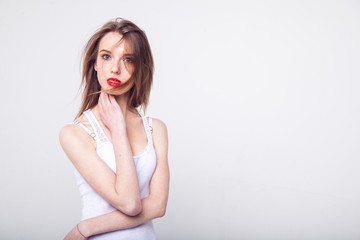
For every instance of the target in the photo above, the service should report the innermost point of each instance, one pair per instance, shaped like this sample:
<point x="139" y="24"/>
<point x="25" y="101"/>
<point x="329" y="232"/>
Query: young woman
<point x="120" y="156"/>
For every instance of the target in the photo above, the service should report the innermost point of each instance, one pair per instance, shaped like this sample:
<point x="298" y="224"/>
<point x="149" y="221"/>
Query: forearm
<point x="126" y="184"/>
<point x="125" y="187"/>
<point x="117" y="220"/>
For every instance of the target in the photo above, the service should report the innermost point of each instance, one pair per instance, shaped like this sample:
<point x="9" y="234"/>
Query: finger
<point x="102" y="104"/>
<point x="106" y="99"/>
<point x="109" y="98"/>
<point x="112" y="99"/>
<point x="101" y="98"/>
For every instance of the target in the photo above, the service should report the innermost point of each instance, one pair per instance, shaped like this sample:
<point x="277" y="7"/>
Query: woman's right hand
<point x="74" y="234"/>
<point x="110" y="112"/>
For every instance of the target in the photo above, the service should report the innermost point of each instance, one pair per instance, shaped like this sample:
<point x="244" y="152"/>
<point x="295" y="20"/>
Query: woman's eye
<point x="106" y="56"/>
<point x="128" y="60"/>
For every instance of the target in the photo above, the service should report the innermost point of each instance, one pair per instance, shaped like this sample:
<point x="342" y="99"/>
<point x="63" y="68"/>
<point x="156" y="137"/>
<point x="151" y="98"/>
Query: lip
<point x="113" y="82"/>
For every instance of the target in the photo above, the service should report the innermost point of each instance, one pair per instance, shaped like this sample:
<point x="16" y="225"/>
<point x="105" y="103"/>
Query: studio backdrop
<point x="260" y="98"/>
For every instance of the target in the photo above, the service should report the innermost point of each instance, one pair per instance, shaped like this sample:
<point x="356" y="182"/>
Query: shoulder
<point x="71" y="130"/>
<point x="160" y="135"/>
<point x="71" y="134"/>
<point x="159" y="125"/>
<point x="68" y="133"/>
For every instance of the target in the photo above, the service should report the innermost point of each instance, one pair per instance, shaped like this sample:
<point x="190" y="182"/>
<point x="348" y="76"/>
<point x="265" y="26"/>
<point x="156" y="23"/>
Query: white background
<point x="261" y="100"/>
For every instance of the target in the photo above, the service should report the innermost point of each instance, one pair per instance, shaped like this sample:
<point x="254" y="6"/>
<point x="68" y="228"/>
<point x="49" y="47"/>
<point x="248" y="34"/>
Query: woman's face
<point x="114" y="62"/>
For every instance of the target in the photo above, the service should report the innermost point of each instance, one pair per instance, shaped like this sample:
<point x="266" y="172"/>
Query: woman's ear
<point x="95" y="66"/>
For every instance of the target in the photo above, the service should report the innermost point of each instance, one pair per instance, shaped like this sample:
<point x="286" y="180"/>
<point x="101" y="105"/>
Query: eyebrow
<point x="104" y="50"/>
<point x="125" y="54"/>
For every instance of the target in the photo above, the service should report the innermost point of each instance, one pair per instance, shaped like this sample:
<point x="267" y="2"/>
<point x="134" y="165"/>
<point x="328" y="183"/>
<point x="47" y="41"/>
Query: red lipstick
<point x="113" y="82"/>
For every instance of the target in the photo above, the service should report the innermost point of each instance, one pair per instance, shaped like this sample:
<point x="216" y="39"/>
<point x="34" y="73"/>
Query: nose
<point x="116" y="68"/>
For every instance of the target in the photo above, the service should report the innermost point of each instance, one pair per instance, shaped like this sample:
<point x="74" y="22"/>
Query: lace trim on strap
<point x="101" y="137"/>
<point x="148" y="129"/>
<point x="150" y="125"/>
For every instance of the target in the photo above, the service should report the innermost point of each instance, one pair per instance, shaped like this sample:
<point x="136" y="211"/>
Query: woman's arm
<point x="121" y="190"/>
<point x="153" y="206"/>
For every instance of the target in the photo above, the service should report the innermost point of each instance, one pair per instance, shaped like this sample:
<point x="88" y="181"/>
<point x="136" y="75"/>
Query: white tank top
<point x="94" y="205"/>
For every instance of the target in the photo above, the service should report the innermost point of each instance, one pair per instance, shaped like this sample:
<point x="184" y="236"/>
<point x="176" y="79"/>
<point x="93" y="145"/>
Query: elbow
<point x="132" y="209"/>
<point x="161" y="210"/>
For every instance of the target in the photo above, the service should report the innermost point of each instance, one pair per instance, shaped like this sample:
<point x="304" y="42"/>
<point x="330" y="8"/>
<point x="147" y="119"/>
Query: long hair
<point x="142" y="76"/>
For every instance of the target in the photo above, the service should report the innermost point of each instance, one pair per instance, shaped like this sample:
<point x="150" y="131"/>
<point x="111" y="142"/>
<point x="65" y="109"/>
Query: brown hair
<point x="142" y="76"/>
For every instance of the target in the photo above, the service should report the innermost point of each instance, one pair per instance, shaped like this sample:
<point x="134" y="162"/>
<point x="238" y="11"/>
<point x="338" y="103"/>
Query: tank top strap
<point x="93" y="135"/>
<point x="150" y="125"/>
<point x="100" y="135"/>
<point x="148" y="128"/>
